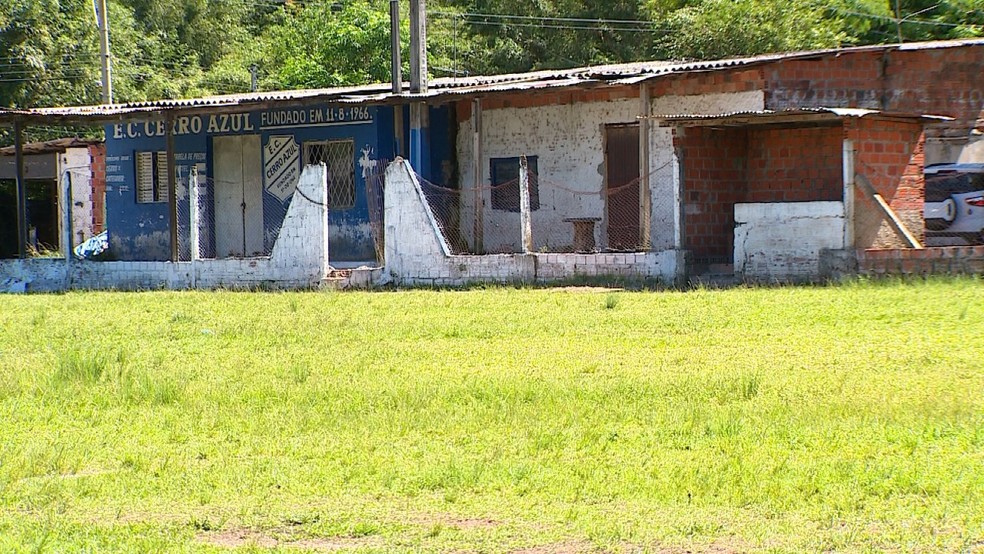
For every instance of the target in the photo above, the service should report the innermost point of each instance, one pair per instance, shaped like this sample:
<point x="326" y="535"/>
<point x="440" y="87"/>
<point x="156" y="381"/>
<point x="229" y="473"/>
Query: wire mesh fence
<point x="375" y="180"/>
<point x="220" y="218"/>
<point x="562" y="218"/>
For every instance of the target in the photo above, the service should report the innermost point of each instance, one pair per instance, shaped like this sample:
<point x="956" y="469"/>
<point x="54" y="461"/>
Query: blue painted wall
<point x="140" y="231"/>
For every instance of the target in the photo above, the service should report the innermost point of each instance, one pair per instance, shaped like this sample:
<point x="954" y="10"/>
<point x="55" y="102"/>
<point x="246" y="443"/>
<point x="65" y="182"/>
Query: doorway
<point x="622" y="186"/>
<point x="238" y="189"/>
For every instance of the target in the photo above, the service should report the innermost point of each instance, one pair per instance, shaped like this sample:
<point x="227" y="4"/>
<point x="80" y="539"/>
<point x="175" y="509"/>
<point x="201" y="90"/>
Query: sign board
<point x="281" y="166"/>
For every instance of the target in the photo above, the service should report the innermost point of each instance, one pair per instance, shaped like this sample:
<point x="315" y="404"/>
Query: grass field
<point x="848" y="418"/>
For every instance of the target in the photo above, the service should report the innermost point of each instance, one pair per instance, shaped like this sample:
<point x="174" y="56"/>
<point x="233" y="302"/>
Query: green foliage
<point x="323" y="45"/>
<point x="714" y="29"/>
<point x="49" y="49"/>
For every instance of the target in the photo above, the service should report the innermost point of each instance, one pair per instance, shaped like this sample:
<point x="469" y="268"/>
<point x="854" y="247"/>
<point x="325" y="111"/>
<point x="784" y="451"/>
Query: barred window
<point x="339" y="157"/>
<point x="505" y="184"/>
<point x="151" y="177"/>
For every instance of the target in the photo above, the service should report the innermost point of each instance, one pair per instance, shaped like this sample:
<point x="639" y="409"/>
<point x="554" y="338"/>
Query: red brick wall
<point x="533" y="99"/>
<point x="852" y="79"/>
<point x="940" y="81"/>
<point x="948" y="261"/>
<point x="722" y="167"/>
<point x="734" y="80"/>
<point x="801" y="164"/>
<point x="97" y="153"/>
<point x="714" y="177"/>
<point x="891" y="155"/>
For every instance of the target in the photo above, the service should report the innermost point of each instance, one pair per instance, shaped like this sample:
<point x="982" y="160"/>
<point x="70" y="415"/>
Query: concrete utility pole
<point x="396" y="70"/>
<point x="254" y="81"/>
<point x="418" y="85"/>
<point x="102" y="21"/>
<point x="21" y="190"/>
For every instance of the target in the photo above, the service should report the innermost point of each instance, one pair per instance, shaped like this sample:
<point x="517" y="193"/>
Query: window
<point x="151" y="177"/>
<point x="505" y="184"/>
<point x="339" y="157"/>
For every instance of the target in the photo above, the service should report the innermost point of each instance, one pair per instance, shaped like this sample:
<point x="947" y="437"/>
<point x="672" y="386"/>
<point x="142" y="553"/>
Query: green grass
<point x="848" y="418"/>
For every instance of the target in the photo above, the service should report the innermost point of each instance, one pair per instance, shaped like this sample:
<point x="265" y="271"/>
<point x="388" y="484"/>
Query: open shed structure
<point x="749" y="168"/>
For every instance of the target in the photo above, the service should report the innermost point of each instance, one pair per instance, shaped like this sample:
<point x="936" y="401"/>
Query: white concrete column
<point x="525" y="215"/>
<point x="848" y="166"/>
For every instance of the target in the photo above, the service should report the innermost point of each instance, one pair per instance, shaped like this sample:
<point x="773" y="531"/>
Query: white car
<point x="954" y="204"/>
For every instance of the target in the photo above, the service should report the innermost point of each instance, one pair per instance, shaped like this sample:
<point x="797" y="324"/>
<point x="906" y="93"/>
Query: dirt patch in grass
<point x="566" y="547"/>
<point x="586" y="289"/>
<point x="238" y="538"/>
<point x="463" y="523"/>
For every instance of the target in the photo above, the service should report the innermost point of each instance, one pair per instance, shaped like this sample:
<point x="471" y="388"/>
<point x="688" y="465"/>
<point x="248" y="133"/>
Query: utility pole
<point x="396" y="70"/>
<point x="254" y="82"/>
<point x="418" y="85"/>
<point x="898" y="21"/>
<point x="102" y="21"/>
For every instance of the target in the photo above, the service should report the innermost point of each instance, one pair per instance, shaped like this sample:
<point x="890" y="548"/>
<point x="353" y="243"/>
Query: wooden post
<point x="66" y="202"/>
<point x="894" y="221"/>
<point x="679" y="211"/>
<point x="195" y="219"/>
<point x="479" y="196"/>
<point x="172" y="189"/>
<point x="848" y="167"/>
<point x="525" y="216"/>
<point x="21" y="185"/>
<point x="645" y="192"/>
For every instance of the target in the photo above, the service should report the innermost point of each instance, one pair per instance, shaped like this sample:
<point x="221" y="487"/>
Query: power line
<point x="544" y="18"/>
<point x="902" y="20"/>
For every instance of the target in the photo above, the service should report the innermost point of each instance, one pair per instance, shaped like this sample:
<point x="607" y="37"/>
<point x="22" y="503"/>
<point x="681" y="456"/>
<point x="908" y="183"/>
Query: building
<point x="768" y="167"/>
<point x="48" y="166"/>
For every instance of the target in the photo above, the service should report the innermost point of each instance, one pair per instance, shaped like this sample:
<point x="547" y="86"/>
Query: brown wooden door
<point x="622" y="186"/>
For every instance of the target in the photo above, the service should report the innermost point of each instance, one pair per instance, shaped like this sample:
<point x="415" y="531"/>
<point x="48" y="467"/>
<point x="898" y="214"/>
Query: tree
<point x="711" y="29"/>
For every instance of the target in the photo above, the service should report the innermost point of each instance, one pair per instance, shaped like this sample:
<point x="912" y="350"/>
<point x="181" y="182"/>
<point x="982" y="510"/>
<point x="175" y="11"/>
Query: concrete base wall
<point x="954" y="260"/>
<point x="783" y="240"/>
<point x="299" y="259"/>
<point x="417" y="253"/>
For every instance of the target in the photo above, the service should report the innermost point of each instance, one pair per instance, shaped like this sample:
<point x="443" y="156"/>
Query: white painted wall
<point x="782" y="240"/>
<point x="299" y="258"/>
<point x="569" y="143"/>
<point x="416" y="252"/>
<point x="78" y="163"/>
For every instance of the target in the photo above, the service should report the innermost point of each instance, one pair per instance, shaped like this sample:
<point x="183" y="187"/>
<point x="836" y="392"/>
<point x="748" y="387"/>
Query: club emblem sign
<point x="281" y="166"/>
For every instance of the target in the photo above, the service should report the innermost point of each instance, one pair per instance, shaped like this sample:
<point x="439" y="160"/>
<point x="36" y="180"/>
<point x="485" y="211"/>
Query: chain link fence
<point x="375" y="178"/>
<point x="227" y="219"/>
<point x="561" y="218"/>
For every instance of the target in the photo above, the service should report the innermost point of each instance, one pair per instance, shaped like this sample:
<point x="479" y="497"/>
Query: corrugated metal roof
<point x="739" y="117"/>
<point x="380" y="93"/>
<point x="51" y="146"/>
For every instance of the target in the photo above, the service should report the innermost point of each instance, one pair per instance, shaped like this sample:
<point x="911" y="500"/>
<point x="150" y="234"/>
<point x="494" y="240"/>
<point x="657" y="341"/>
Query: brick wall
<point x="799" y="164"/>
<point x="97" y="153"/>
<point x="722" y="167"/>
<point x="714" y="179"/>
<point x="535" y="99"/>
<point x="941" y="81"/>
<point x="955" y="260"/>
<point x="890" y="154"/>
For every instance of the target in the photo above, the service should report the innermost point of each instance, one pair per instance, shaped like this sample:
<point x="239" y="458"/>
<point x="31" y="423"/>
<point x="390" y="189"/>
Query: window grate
<point x="339" y="157"/>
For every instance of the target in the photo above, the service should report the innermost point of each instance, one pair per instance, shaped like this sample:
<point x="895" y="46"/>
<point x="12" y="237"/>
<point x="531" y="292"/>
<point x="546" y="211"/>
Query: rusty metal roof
<point x="445" y="88"/>
<point x="791" y="115"/>
<point x="51" y="146"/>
